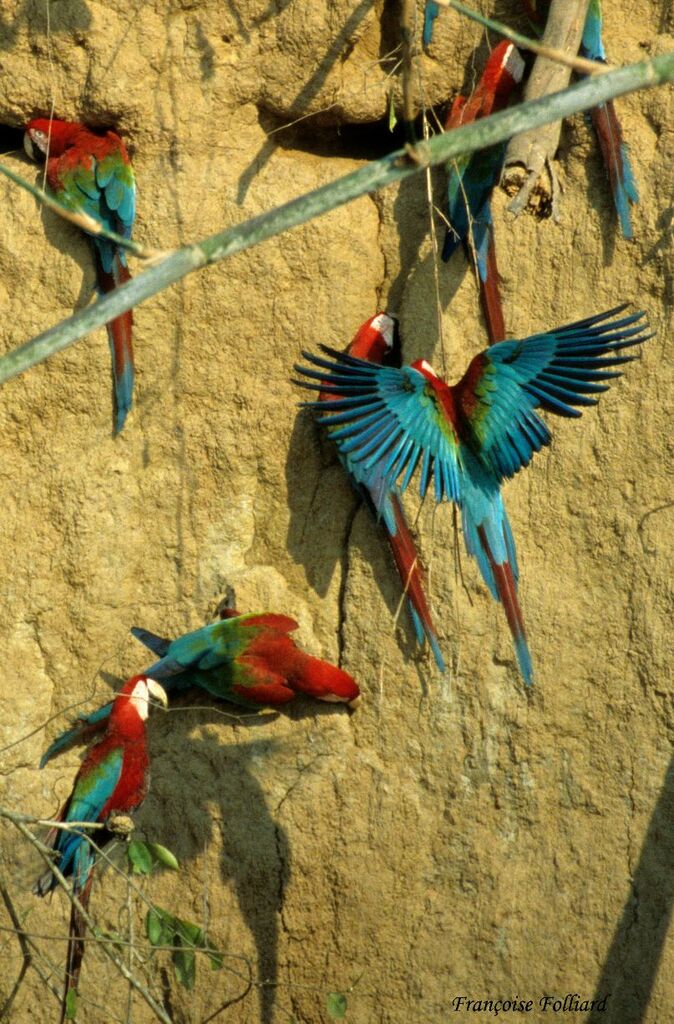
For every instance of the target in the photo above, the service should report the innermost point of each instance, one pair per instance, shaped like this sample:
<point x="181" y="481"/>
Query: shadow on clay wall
<point x="224" y="801"/>
<point x="42" y="19"/>
<point x="334" y="51"/>
<point x="633" y="959"/>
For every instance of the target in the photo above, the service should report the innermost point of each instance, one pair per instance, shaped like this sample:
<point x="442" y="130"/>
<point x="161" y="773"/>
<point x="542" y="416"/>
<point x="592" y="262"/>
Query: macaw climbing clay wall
<point x="453" y="837"/>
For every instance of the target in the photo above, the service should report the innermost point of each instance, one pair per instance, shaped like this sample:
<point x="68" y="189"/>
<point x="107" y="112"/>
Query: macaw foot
<point x="120" y="824"/>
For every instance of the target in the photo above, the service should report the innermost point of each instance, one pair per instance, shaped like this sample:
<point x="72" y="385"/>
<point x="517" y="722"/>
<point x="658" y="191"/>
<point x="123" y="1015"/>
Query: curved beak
<point x="157" y="691"/>
<point x="28" y="146"/>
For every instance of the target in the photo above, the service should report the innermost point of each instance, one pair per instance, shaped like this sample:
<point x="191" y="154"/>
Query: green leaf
<point x="336" y="1005"/>
<point x="215" y="958"/>
<point x="154" y="927"/>
<point x="184" y="963"/>
<point x="140" y="857"/>
<point x="164" y="929"/>
<point x="392" y="119"/>
<point x="191" y="933"/>
<point x="71" y="1004"/>
<point x="164" y="856"/>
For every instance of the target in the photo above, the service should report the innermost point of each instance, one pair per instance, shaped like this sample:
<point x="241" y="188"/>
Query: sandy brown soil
<point x="452" y="837"/>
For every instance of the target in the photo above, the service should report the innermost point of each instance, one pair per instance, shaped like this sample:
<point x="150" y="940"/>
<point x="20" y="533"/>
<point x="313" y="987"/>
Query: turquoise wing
<point x="592" y="45"/>
<point x="558" y="371"/>
<point x="103" y="188"/>
<point x="387" y="416"/>
<point x="93" y="789"/>
<point x="114" y="176"/>
<point x="205" y="648"/>
<point x="469" y="191"/>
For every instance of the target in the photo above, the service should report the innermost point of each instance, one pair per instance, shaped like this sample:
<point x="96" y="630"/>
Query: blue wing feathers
<point x="591" y="42"/>
<point x="89" y="797"/>
<point x="383" y="414"/>
<point x="157" y="644"/>
<point x="66" y="738"/>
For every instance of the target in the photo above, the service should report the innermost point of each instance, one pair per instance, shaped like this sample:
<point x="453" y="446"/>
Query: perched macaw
<point x="91" y="173"/>
<point x="472" y="179"/>
<point x="614" y="150"/>
<point x="431" y="11"/>
<point x="374" y="342"/>
<point x="112" y="780"/>
<point x="249" y="660"/>
<point x="474" y="434"/>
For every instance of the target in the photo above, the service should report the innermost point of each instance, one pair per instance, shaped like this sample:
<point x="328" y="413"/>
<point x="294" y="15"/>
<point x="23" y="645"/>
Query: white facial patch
<point x="140" y="698"/>
<point x="385" y="324"/>
<point x="41" y="139"/>
<point x="426" y="367"/>
<point x="513" y="63"/>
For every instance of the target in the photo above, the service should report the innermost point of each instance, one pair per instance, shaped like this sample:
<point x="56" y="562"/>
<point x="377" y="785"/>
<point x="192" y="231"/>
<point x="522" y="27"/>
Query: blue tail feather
<point x="431" y="12"/>
<point x="79" y="727"/>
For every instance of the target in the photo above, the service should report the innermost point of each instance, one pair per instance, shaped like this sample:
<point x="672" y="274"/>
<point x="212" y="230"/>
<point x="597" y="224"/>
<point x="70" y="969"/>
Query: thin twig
<point x="119" y="943"/>
<point x="91" y="924"/>
<point x="407" y="19"/>
<point x="386" y="171"/>
<point x="25" y="950"/>
<point x="80" y="218"/>
<point x="581" y="64"/>
<point x="65" y="826"/>
<point x="235" y="999"/>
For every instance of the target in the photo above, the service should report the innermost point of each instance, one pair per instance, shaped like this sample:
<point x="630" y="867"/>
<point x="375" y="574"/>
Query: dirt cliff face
<point x="454" y="836"/>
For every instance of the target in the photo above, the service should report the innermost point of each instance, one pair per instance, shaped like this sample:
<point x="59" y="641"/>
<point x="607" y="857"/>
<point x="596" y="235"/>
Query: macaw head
<point x="375" y="340"/>
<point x="503" y="70"/>
<point x="423" y="367"/>
<point x="44" y="136"/>
<point x="132" y="704"/>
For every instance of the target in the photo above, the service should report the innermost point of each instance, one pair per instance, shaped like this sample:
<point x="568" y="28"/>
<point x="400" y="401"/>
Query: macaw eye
<point x="36" y="144"/>
<point x="41" y="140"/>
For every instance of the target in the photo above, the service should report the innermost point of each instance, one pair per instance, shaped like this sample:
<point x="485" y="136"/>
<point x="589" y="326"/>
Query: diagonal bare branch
<point x="158" y="1011"/>
<point x="581" y="64"/>
<point x="26" y="954"/>
<point x="80" y="218"/>
<point x="377" y="174"/>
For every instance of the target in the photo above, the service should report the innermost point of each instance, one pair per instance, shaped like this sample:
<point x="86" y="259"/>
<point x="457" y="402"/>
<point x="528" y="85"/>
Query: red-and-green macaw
<point x="112" y="780"/>
<point x="91" y="173"/>
<point x="374" y="342"/>
<point x="471" y="436"/>
<point x="614" y="150"/>
<point x="249" y="660"/>
<point x="471" y="180"/>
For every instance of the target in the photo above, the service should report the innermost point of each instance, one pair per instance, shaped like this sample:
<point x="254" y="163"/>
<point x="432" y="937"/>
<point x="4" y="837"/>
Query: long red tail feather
<point x="408" y="564"/>
<point x="75" y="947"/>
<point x="120" y="332"/>
<point x="491" y="297"/>
<point x="507" y="592"/>
<point x="616" y="161"/>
